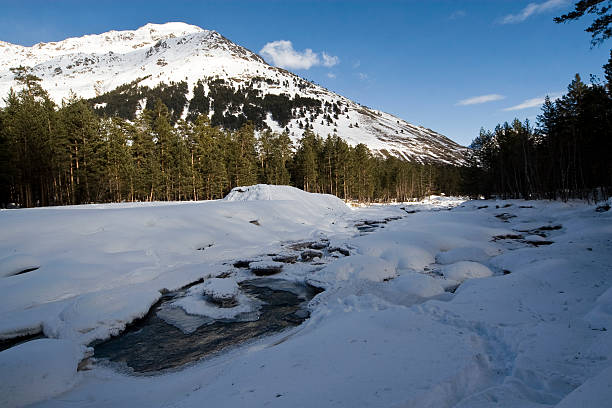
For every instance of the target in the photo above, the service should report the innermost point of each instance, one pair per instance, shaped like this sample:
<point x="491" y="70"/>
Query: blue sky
<point x="453" y="66"/>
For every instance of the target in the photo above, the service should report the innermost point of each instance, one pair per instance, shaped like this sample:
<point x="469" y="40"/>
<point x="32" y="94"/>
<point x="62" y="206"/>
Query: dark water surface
<point x="152" y="344"/>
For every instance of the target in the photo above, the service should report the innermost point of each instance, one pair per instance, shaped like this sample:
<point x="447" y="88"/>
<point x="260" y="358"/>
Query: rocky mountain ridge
<point x="204" y="72"/>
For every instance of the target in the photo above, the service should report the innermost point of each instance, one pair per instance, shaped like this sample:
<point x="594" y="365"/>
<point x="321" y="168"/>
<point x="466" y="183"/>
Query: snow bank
<point x="460" y="271"/>
<point x="600" y="317"/>
<point x="105" y="264"/>
<point x="383" y="331"/>
<point x="37" y="370"/>
<point x="99" y="315"/>
<point x="265" y="192"/>
<point x="595" y="392"/>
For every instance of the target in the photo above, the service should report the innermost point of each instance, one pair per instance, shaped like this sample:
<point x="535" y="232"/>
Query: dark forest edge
<point x="75" y="154"/>
<point x="567" y="155"/>
<point x="67" y="155"/>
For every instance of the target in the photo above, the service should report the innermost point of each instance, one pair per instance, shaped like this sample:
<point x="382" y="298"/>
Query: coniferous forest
<point x="73" y="154"/>
<point x="567" y="154"/>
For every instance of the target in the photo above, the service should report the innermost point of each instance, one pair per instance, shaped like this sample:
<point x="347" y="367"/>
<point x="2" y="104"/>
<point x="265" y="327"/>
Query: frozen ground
<point x="490" y="303"/>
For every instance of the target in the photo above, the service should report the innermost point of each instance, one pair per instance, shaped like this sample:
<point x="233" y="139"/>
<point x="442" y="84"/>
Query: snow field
<point x="15" y="264"/>
<point x="384" y="332"/>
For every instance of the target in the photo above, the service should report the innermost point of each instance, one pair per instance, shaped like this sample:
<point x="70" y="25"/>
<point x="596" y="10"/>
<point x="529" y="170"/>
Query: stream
<point x="167" y="337"/>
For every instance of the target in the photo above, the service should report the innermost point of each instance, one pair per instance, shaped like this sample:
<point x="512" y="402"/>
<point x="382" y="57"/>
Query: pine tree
<point x="146" y="169"/>
<point x="211" y="158"/>
<point x="165" y="141"/>
<point x="608" y="74"/>
<point x="600" y="28"/>
<point x="244" y="156"/>
<point x="306" y="162"/>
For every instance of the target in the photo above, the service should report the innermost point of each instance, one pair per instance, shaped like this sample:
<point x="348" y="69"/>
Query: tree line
<point x="60" y="155"/>
<point x="568" y="153"/>
<point x="229" y="107"/>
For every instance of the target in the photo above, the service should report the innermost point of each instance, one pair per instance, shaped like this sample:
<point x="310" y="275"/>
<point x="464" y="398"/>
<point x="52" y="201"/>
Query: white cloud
<point x="533" y="102"/>
<point x="329" y="60"/>
<point x="480" y="99"/>
<point x="362" y="76"/>
<point x="529" y="103"/>
<point x="457" y="14"/>
<point x="531" y="9"/>
<point x="331" y="75"/>
<point x="356" y="64"/>
<point x="282" y="54"/>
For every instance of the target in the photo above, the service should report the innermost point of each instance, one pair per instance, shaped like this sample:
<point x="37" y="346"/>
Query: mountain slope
<point x="95" y="65"/>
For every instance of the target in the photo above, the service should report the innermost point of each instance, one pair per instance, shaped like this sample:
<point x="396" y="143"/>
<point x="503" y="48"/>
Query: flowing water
<point x="168" y="337"/>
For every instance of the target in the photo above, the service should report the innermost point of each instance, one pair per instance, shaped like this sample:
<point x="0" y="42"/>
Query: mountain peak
<point x="95" y="65"/>
<point x="175" y="28"/>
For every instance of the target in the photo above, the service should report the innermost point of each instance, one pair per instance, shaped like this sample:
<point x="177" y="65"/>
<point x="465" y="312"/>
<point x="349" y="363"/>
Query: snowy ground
<point x="490" y="303"/>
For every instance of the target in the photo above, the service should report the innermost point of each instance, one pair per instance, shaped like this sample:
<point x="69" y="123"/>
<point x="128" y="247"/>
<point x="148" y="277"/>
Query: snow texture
<point x="220" y="288"/>
<point x="462" y="270"/>
<point x="532" y="331"/>
<point x="37" y="369"/>
<point x="15" y="264"/>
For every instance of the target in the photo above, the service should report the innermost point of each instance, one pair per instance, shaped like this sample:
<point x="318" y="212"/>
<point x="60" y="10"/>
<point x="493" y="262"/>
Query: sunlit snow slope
<point x="162" y="53"/>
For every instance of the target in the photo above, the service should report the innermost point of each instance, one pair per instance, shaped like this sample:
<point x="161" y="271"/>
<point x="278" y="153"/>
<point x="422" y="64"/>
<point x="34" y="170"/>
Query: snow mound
<point x="466" y="254"/>
<point x="39" y="369"/>
<point x="195" y="304"/>
<point x="14" y="264"/>
<point x="392" y="247"/>
<point x="600" y="317"/>
<point x="100" y="314"/>
<point x="358" y="267"/>
<point x="460" y="271"/>
<point x="265" y="192"/>
<point x="595" y="392"/>
<point x="219" y="288"/>
<point x="418" y="284"/>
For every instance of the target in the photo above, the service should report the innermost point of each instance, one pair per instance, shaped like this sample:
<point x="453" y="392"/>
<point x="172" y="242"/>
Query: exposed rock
<point x="507" y="236"/>
<point x="309" y="254"/>
<point x="505" y="216"/>
<point x="242" y="263"/>
<point x="285" y="258"/>
<point x="343" y="251"/>
<point x="266" y="268"/>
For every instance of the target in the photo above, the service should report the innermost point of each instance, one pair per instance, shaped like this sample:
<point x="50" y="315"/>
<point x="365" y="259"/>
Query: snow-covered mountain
<point x="93" y="65"/>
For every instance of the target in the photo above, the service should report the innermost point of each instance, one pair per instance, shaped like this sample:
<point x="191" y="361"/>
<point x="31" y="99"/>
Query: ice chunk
<point x="219" y="288"/>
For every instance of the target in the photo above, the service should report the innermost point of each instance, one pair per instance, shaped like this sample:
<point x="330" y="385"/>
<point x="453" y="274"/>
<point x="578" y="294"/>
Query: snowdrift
<point x="528" y="325"/>
<point x="265" y="192"/>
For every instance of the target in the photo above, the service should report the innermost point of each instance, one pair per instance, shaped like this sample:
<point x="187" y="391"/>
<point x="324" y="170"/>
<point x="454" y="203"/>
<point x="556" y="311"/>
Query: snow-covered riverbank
<point x="506" y="303"/>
